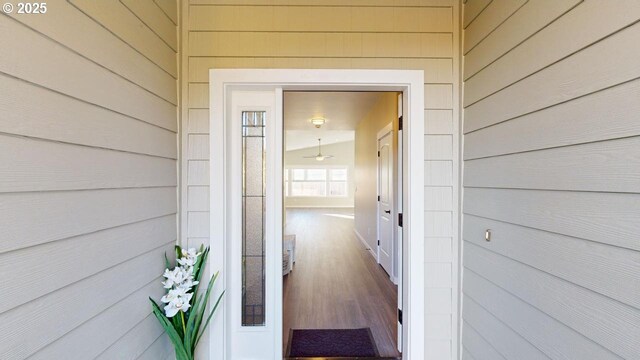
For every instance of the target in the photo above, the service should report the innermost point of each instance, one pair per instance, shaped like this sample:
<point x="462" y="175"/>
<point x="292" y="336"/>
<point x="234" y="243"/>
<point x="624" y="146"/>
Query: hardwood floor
<point x="335" y="282"/>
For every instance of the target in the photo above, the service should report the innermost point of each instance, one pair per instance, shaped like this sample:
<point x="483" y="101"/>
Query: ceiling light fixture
<point x="319" y="156"/>
<point x="318" y="121"/>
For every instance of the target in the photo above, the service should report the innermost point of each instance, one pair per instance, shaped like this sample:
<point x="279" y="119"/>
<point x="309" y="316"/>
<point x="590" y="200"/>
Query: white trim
<point x="398" y="199"/>
<point x="385" y="130"/>
<point x="318" y="206"/>
<point x="366" y="246"/>
<point x="411" y="83"/>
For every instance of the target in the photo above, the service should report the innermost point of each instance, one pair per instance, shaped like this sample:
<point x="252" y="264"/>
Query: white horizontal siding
<point x="88" y="121"/>
<point x="551" y="168"/>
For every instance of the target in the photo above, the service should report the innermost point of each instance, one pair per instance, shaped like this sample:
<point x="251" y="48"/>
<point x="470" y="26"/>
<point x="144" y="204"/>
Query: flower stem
<point x="184" y="328"/>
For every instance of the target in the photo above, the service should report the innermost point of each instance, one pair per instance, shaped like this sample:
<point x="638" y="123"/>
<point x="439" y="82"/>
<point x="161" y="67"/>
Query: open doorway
<point x="234" y="92"/>
<point x="341" y="223"/>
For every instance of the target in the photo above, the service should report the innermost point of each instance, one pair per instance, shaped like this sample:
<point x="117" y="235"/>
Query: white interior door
<point x="385" y="202"/>
<point x="253" y="318"/>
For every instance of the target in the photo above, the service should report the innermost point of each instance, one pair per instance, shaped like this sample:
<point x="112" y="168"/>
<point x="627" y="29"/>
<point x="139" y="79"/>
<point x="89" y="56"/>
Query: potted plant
<point x="184" y="310"/>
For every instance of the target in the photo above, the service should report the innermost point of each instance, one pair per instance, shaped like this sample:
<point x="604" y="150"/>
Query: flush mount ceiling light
<point x="318" y="121"/>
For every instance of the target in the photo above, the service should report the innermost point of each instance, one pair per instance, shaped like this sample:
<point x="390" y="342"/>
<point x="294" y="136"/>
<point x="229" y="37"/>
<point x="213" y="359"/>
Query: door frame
<point x="411" y="84"/>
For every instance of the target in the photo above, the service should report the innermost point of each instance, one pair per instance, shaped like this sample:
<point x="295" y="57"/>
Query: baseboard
<point x="316" y="207"/>
<point x="366" y="245"/>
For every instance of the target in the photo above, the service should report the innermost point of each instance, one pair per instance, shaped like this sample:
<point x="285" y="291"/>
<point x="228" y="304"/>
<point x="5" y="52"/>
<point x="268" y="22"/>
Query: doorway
<point x="229" y="336"/>
<point x="340" y="255"/>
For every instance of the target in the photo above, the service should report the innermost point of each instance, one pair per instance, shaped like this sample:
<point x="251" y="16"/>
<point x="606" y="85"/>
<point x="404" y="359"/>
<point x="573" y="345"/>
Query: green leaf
<point x="178" y="252"/>
<point x="177" y="325"/>
<point x="200" y="314"/>
<point x="189" y="330"/>
<point x="198" y="269"/>
<point x="200" y="264"/>
<point x="210" y="316"/>
<point x="176" y="340"/>
<point x="167" y="264"/>
<point x="192" y="322"/>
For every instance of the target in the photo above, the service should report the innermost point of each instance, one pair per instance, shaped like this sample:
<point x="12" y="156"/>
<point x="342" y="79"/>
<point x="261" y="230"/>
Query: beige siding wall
<point x="88" y="99"/>
<point x="552" y="167"/>
<point x="369" y="34"/>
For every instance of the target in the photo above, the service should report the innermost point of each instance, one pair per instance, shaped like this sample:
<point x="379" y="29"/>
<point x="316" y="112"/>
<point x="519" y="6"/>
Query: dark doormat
<point x="331" y="343"/>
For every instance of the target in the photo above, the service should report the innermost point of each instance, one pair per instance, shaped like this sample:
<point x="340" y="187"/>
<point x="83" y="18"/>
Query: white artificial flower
<point x="168" y="274"/>
<point x="174" y="294"/>
<point x="180" y="281"/>
<point x="187" y="262"/>
<point x="190" y="253"/>
<point x="188" y="284"/>
<point x="180" y="303"/>
<point x="176" y="277"/>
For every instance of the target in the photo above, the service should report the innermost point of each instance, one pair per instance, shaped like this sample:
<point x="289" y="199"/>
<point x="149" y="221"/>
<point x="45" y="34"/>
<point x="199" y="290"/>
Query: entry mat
<point x="331" y="343"/>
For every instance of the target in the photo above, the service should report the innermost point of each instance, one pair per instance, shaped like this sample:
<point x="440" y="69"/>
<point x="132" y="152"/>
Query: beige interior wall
<point x="355" y="34"/>
<point x="344" y="153"/>
<point x="88" y="154"/>
<point x="551" y="164"/>
<point x="383" y="113"/>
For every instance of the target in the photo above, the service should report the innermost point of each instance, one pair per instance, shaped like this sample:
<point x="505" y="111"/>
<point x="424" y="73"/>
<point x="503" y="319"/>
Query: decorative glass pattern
<point x="253" y="218"/>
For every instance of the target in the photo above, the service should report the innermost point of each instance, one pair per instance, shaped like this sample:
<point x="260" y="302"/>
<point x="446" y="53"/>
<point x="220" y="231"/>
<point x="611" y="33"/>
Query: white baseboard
<point x="317" y="207"/>
<point x="366" y="245"/>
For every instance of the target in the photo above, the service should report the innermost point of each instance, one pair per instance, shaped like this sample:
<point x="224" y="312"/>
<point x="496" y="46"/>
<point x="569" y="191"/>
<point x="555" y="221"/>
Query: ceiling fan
<point x="319" y="157"/>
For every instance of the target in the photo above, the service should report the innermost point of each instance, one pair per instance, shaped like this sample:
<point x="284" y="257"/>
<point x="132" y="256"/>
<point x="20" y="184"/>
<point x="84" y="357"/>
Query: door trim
<point x="411" y="84"/>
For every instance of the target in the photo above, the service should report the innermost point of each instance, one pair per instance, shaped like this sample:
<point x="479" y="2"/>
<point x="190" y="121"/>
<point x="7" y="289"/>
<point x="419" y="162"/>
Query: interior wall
<point x="88" y="105"/>
<point x="362" y="34"/>
<point x="344" y="153"/>
<point x="551" y="164"/>
<point x="383" y="113"/>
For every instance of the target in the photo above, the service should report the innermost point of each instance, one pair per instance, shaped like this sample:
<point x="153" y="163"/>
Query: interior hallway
<point x="335" y="282"/>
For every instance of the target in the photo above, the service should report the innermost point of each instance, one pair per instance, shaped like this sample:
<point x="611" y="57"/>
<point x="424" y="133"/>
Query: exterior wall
<point x="88" y="99"/>
<point x="344" y="156"/>
<point x="378" y="34"/>
<point x="551" y="158"/>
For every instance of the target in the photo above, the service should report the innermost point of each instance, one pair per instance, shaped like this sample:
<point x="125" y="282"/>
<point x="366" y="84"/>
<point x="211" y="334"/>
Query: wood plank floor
<point x="335" y="282"/>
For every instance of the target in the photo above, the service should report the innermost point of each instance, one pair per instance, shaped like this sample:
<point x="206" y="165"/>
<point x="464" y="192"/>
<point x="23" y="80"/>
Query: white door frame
<point x="411" y="84"/>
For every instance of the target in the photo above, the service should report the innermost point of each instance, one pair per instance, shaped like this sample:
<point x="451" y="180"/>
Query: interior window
<point x="316" y="182"/>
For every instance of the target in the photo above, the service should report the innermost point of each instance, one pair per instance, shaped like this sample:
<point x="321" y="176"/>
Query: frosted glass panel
<point x="253" y="230"/>
<point x="253" y="218"/>
<point x="254" y="165"/>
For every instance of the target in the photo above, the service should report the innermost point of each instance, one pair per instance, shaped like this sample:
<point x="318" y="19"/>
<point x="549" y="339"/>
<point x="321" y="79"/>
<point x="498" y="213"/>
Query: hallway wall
<point x="88" y="178"/>
<point x="552" y="167"/>
<point x="384" y="111"/>
<point x="354" y="34"/>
